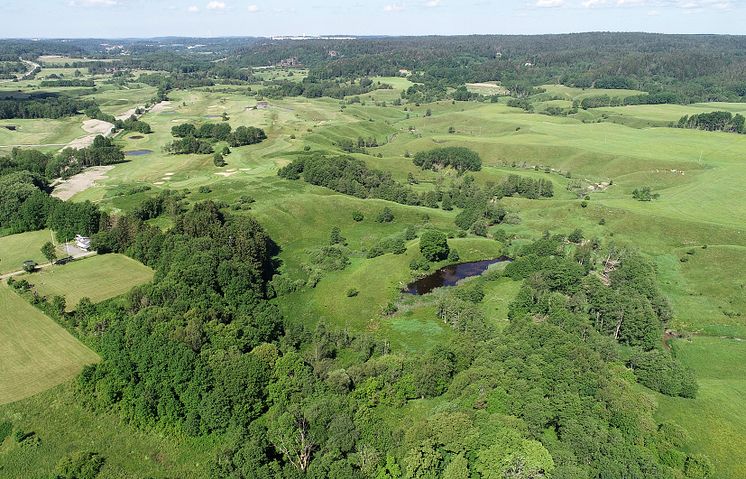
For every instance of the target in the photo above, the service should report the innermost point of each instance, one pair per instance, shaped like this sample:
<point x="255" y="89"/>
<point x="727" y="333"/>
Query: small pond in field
<point x="137" y="152"/>
<point x="450" y="275"/>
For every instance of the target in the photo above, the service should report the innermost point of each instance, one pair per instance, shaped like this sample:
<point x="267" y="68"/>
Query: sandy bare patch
<point x="168" y="174"/>
<point x="126" y="114"/>
<point x="226" y="174"/>
<point x="159" y="107"/>
<point x="159" y="183"/>
<point x="491" y="86"/>
<point x="245" y="169"/>
<point x="178" y="120"/>
<point x="95" y="128"/>
<point x="66" y="189"/>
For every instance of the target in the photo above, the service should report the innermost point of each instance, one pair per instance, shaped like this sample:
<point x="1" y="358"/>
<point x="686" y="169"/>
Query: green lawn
<point x="98" y="278"/>
<point x="715" y="420"/>
<point x="35" y="352"/>
<point x="15" y="249"/>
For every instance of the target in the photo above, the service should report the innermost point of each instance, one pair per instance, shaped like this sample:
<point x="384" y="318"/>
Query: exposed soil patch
<point x="160" y="107"/>
<point x="95" y="128"/>
<point x="66" y="189"/>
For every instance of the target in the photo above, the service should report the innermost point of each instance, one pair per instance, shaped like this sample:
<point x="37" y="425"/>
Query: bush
<point x="434" y="245"/>
<point x="375" y="252"/>
<point x="576" y="236"/>
<point x="352" y="292"/>
<point x="79" y="465"/>
<point x="385" y="216"/>
<point x="357" y="216"/>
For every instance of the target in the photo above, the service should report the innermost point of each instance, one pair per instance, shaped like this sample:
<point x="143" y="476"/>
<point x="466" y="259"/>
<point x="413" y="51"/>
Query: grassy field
<point x="65" y="426"/>
<point x="98" y="278"/>
<point x="37" y="353"/>
<point x="714" y="420"/>
<point x="15" y="249"/>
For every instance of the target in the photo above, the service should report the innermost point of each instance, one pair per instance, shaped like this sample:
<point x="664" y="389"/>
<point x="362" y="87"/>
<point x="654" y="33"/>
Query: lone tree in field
<point x="49" y="251"/>
<point x="385" y="216"/>
<point x="434" y="245"/>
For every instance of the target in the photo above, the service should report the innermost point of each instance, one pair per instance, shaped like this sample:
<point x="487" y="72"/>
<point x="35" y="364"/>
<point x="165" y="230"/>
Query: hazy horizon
<point x="256" y="18"/>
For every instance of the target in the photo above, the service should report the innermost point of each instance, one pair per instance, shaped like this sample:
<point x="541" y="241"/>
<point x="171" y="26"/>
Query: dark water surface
<point x="450" y="275"/>
<point x="137" y="152"/>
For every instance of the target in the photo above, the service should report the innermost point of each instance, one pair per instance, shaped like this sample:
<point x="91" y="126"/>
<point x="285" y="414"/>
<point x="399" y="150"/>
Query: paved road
<point x="79" y="255"/>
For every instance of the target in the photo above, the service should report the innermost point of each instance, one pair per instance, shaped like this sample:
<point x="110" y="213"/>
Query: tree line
<point x="715" y="121"/>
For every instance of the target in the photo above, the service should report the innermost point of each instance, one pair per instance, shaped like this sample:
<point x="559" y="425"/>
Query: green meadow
<point x="97" y="278"/>
<point x="37" y="353"/>
<point x="694" y="232"/>
<point x="15" y="249"/>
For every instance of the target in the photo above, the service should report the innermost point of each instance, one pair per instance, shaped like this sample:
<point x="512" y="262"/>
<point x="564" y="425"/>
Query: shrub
<point x="385" y="216"/>
<point x="576" y="236"/>
<point x="357" y="216"/>
<point x="352" y="292"/>
<point x="79" y="465"/>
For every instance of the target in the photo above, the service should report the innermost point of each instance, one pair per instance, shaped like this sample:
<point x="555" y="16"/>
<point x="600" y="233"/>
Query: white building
<point x="83" y="242"/>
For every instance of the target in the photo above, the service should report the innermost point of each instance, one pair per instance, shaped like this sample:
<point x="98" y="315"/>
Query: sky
<point x="210" y="18"/>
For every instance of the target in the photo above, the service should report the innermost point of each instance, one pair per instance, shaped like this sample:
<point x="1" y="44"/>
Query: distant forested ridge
<point x="670" y="68"/>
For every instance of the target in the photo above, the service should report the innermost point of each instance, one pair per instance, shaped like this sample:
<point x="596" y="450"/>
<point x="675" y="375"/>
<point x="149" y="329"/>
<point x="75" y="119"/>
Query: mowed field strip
<point x="97" y="278"/>
<point x="15" y="249"/>
<point x="36" y="352"/>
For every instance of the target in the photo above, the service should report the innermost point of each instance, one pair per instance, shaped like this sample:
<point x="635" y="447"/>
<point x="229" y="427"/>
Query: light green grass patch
<point x="714" y="420"/>
<point x="15" y="249"/>
<point x="65" y="426"/>
<point x="35" y="352"/>
<point x="98" y="278"/>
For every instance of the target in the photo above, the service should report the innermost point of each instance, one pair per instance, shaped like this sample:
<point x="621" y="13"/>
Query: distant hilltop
<point x="304" y="37"/>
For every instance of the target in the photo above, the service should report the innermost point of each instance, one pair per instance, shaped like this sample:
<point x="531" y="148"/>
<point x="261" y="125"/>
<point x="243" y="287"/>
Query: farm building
<point x="82" y="242"/>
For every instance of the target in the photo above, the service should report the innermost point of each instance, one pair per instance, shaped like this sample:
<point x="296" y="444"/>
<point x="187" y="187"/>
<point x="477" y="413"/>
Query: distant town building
<point x="291" y="62"/>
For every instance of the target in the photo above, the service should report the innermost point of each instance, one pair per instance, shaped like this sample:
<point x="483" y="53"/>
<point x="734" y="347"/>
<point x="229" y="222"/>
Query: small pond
<point x="137" y="152"/>
<point x="450" y="275"/>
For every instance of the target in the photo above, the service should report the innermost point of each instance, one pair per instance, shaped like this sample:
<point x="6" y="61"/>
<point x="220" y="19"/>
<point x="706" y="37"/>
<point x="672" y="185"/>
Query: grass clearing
<point x="37" y="353"/>
<point x="65" y="427"/>
<point x="98" y="278"/>
<point x="15" y="249"/>
<point x="714" y="420"/>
